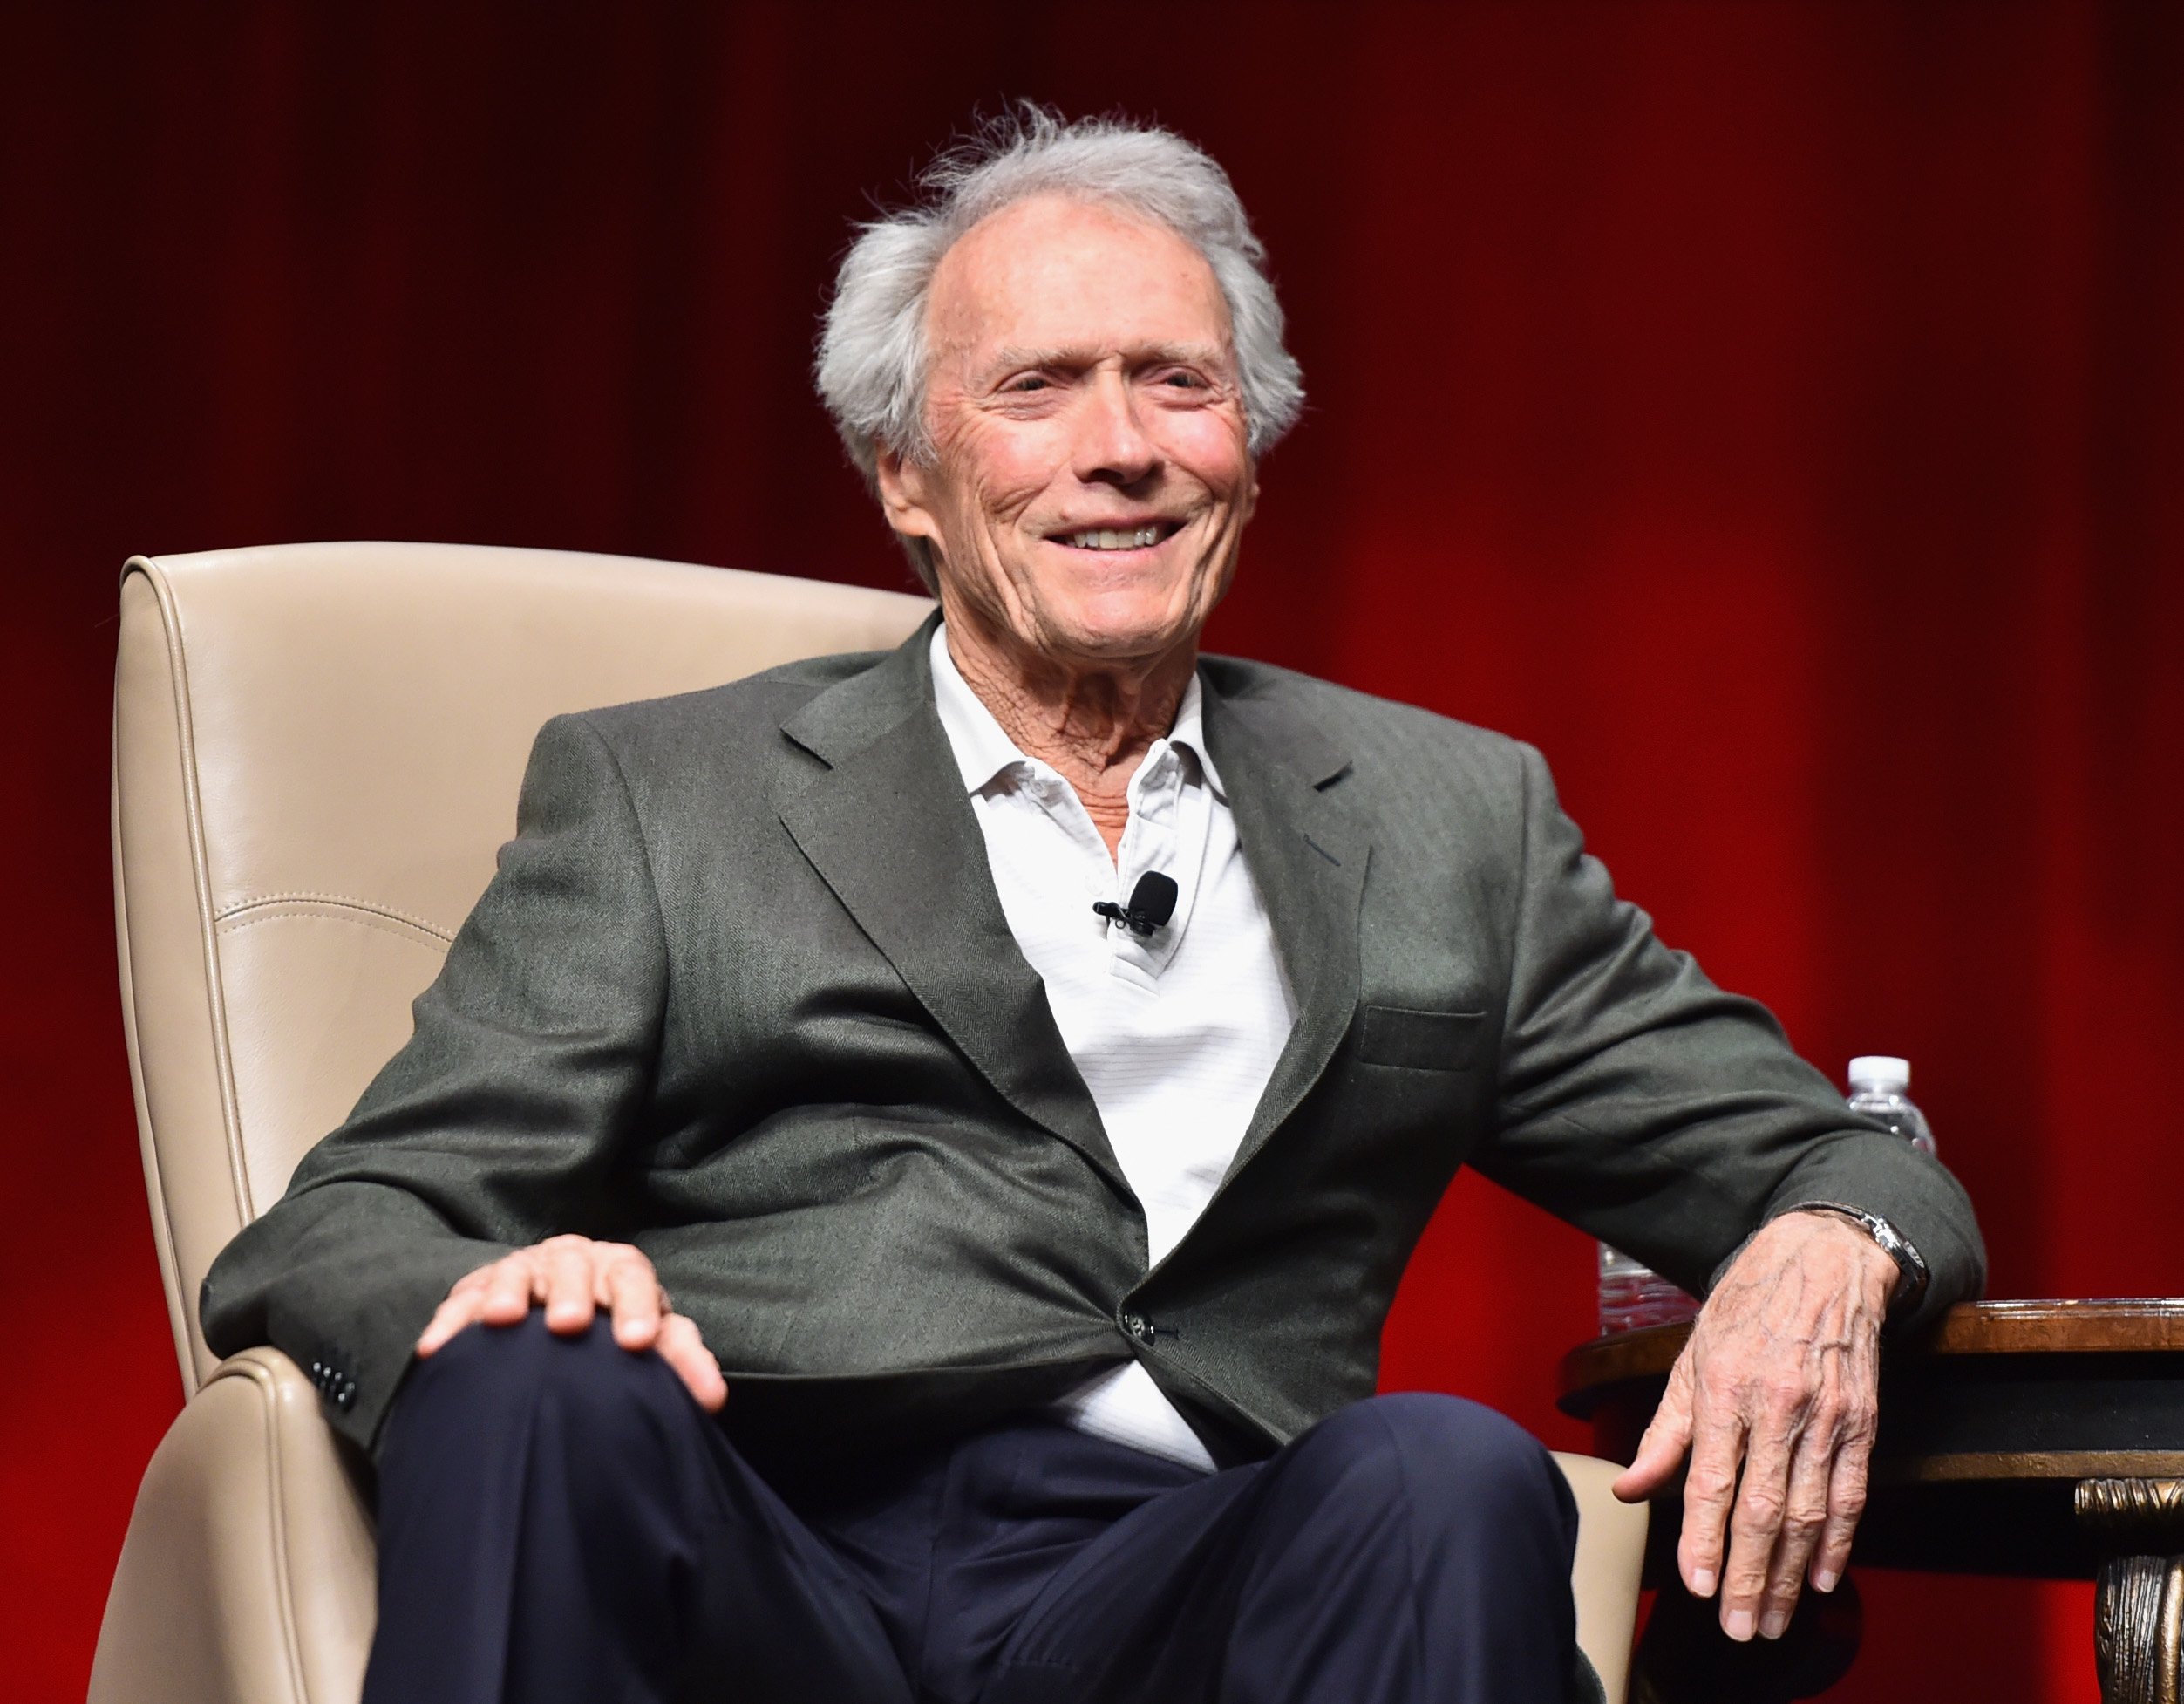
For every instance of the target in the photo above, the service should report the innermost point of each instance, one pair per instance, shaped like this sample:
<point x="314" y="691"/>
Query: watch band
<point x="1912" y="1274"/>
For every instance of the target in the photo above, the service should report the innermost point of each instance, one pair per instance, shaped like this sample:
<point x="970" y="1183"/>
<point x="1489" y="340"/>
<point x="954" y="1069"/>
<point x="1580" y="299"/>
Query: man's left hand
<point x="1775" y="1399"/>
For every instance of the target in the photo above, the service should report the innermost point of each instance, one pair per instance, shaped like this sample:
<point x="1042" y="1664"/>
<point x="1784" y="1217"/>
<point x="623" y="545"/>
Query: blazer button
<point x="1138" y="1327"/>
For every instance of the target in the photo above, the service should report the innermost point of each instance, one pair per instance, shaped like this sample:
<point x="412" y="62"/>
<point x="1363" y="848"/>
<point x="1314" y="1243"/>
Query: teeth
<point x="1110" y="538"/>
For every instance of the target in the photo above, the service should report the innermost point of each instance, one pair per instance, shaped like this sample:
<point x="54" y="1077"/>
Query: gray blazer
<point x="742" y="992"/>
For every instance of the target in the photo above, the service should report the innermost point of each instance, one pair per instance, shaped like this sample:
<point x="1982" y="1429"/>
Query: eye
<point x="1181" y="381"/>
<point x="1029" y="382"/>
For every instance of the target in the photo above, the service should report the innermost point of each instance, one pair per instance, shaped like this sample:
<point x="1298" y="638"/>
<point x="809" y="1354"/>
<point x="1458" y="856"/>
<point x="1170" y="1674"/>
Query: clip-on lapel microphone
<point x="1151" y="904"/>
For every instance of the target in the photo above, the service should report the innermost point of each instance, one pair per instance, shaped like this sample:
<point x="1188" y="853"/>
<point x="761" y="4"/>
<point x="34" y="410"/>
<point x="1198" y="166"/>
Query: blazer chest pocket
<point x="1421" y="1040"/>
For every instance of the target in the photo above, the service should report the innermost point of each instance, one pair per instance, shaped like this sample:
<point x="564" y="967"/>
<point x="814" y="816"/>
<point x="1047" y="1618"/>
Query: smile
<point x="1119" y="538"/>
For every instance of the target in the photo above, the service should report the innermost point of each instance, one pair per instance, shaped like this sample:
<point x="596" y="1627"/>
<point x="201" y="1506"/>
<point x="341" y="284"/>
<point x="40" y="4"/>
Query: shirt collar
<point x="983" y="751"/>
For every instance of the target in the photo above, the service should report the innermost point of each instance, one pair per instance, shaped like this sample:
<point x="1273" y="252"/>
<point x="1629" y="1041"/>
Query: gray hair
<point x="873" y="359"/>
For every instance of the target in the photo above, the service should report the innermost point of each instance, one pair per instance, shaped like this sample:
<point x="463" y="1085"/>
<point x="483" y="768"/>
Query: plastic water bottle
<point x="1877" y="1086"/>
<point x="1632" y="1295"/>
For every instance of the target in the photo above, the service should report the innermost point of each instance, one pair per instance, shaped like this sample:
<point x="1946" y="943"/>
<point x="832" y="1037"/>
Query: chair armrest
<point x="247" y="1576"/>
<point x="1610" y="1555"/>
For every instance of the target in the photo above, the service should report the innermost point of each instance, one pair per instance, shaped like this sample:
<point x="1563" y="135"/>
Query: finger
<point x="459" y="1308"/>
<point x="568" y="1287"/>
<point x="1804" y="1514"/>
<point x="633" y="1294"/>
<point x="682" y="1348"/>
<point x="1845" y="1503"/>
<point x="1754" y="1526"/>
<point x="511" y="1286"/>
<point x="1660" y="1450"/>
<point x="1709" y="1490"/>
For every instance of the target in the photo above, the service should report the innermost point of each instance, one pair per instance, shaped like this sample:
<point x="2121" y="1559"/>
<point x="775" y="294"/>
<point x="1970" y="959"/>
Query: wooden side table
<point x="2040" y="1439"/>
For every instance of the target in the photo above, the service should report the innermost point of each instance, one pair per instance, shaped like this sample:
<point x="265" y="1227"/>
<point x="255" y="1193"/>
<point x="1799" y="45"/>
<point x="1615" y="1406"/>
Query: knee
<point x="497" y="1378"/>
<point x="1446" y="1461"/>
<point x="513" y="1441"/>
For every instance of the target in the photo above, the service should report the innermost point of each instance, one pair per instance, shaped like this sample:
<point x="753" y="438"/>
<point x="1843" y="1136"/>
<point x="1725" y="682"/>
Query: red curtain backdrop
<point x="1775" y="411"/>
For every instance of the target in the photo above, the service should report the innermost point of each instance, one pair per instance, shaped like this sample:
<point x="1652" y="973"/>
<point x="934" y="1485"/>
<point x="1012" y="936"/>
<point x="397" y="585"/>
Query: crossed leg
<point x="558" y="1520"/>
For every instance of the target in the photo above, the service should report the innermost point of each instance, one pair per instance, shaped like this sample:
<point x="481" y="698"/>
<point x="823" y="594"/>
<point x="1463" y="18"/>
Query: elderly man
<point x="1021" y="1064"/>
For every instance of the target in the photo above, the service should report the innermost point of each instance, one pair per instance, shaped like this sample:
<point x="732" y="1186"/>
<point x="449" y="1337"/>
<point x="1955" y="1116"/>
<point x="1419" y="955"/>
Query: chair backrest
<point x="317" y="753"/>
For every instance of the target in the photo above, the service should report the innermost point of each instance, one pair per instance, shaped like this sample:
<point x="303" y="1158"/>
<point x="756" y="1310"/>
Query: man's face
<point x="1091" y="477"/>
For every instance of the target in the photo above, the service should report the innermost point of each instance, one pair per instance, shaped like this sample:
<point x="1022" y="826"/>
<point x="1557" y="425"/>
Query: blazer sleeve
<point x="498" y="1123"/>
<point x="1646" y="1105"/>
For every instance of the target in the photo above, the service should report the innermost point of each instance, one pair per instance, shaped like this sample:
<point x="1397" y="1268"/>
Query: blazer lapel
<point x="1308" y="856"/>
<point x="888" y="828"/>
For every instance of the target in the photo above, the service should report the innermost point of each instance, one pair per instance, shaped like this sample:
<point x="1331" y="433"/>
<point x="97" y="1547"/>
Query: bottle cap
<point x="1881" y="1071"/>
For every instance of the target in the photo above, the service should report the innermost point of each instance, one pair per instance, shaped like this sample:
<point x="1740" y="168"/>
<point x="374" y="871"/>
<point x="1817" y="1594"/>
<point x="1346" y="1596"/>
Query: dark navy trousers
<point x="558" y="1520"/>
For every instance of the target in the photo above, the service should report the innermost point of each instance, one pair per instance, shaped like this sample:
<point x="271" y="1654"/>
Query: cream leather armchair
<point x="316" y="750"/>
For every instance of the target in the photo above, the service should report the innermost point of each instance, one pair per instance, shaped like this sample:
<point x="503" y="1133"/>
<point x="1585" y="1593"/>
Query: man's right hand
<point x="575" y="1276"/>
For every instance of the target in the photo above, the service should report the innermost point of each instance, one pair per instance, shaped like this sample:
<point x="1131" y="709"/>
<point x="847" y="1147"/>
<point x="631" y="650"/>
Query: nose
<point x="1112" y="445"/>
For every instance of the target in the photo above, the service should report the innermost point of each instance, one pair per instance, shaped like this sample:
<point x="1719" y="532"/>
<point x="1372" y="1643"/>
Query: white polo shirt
<point x="1174" y="1034"/>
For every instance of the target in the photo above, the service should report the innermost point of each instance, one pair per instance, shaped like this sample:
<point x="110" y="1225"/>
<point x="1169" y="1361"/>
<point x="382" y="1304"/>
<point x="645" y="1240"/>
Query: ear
<point x="907" y="495"/>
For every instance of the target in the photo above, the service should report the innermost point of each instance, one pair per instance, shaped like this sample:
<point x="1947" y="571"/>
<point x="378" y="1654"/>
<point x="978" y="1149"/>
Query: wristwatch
<point x="1912" y="1274"/>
